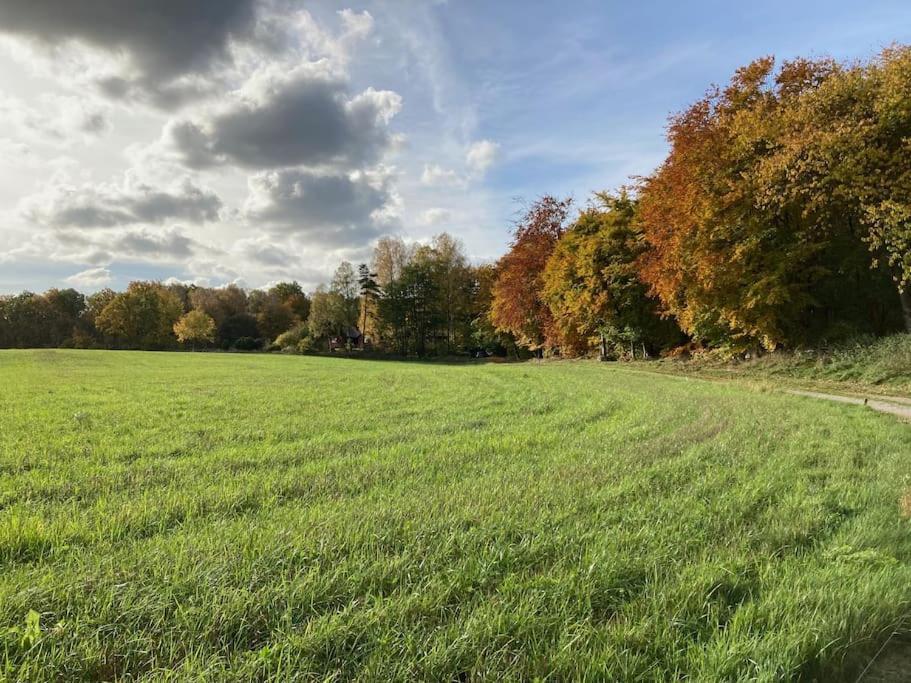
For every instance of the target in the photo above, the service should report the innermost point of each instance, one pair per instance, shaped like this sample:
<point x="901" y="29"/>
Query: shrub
<point x="247" y="344"/>
<point x="291" y="338"/>
<point x="83" y="340"/>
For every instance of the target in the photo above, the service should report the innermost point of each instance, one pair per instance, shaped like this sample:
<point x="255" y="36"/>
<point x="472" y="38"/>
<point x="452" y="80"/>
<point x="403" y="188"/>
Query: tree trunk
<point x="905" y="296"/>
<point x="603" y="348"/>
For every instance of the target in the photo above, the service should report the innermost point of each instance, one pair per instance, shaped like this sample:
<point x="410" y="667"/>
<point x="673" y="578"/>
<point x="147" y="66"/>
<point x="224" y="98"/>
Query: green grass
<point x="249" y="517"/>
<point x="868" y="365"/>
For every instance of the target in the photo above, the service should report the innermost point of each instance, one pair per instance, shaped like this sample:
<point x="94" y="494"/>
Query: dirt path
<point x="900" y="407"/>
<point x="891" y="664"/>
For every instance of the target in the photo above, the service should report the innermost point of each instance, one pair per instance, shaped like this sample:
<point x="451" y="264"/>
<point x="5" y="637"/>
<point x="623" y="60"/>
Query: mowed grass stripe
<point x="225" y="517"/>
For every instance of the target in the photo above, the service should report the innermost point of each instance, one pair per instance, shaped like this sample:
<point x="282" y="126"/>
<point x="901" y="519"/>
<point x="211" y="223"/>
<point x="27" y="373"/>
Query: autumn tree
<point x="218" y="303"/>
<point x="454" y="288"/>
<point x="141" y="317"/>
<point x="408" y="321"/>
<point x="228" y="307"/>
<point x="592" y="286"/>
<point x="195" y="327"/>
<point x="23" y="319"/>
<point x="38" y="320"/>
<point x="278" y="308"/>
<point x="274" y="317"/>
<point x="517" y="306"/>
<point x="328" y="314"/>
<point x="732" y="257"/>
<point x="181" y="291"/>
<point x="65" y="308"/>
<point x="884" y="197"/>
<point x="844" y="158"/>
<point x="292" y="295"/>
<point x="94" y="305"/>
<point x="390" y="256"/>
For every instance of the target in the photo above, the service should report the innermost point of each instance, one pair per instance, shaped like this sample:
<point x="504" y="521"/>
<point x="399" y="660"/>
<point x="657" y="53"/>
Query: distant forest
<point x="780" y="218"/>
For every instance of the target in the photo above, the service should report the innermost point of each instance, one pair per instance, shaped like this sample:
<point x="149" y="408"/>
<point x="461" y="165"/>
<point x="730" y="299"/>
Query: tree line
<point x="780" y="217"/>
<point x="411" y="299"/>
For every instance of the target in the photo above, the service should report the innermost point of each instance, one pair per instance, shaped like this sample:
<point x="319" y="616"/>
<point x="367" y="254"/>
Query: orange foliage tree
<point x="517" y="306"/>
<point x="592" y="288"/>
<point x="844" y="155"/>
<point x="732" y="255"/>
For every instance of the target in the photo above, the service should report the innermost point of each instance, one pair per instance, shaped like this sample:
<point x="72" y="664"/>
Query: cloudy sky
<point x="258" y="140"/>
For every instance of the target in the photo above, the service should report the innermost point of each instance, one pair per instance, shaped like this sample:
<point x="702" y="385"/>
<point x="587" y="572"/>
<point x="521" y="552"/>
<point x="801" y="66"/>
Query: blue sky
<point x="298" y="133"/>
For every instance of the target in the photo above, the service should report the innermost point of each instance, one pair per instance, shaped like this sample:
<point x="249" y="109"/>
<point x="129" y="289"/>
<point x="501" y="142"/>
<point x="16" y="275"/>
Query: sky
<point x="254" y="141"/>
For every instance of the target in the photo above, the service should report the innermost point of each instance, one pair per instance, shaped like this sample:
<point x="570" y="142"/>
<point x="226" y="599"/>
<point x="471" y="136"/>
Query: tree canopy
<point x="195" y="327"/>
<point x="592" y="288"/>
<point x="752" y="239"/>
<point x="517" y="306"/>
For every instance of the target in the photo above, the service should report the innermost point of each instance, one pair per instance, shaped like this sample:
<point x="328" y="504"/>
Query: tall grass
<point x="880" y="365"/>
<point x="237" y="518"/>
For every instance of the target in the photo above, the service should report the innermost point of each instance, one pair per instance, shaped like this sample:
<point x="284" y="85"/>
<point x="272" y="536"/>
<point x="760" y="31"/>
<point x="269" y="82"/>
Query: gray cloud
<point x="265" y="253"/>
<point x="144" y="244"/>
<point x="94" y="123"/>
<point x="306" y="118"/>
<point x="280" y="257"/>
<point x="137" y="244"/>
<point x="164" y="40"/>
<point x="107" y="206"/>
<point x="326" y="209"/>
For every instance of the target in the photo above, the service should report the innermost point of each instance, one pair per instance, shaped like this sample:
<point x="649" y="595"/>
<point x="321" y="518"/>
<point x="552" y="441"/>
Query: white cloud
<point x="435" y="216"/>
<point x="481" y="156"/>
<point x="58" y="120"/>
<point x="196" y="281"/>
<point x="435" y="175"/>
<point x="103" y="247"/>
<point x="93" y="277"/>
<point x="208" y="269"/>
<point x="358" y="25"/>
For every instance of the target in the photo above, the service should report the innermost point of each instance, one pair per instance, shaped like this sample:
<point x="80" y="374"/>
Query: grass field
<point x="250" y="517"/>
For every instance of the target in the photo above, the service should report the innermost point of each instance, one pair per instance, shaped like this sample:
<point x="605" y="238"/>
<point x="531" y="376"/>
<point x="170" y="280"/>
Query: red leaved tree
<point x="517" y="307"/>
